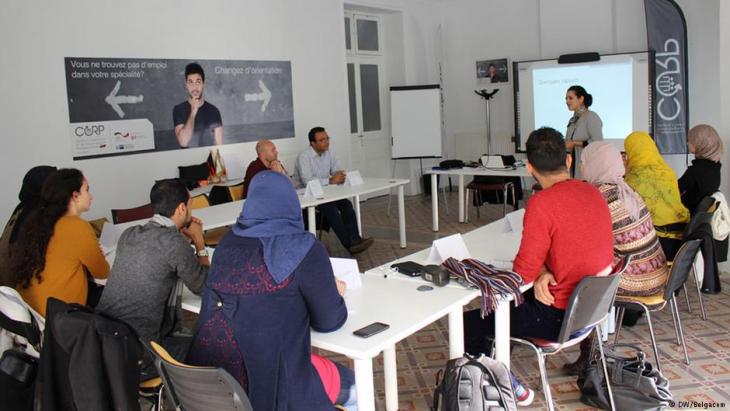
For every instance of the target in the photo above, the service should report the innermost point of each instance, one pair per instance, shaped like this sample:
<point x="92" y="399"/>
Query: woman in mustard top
<point x="57" y="248"/>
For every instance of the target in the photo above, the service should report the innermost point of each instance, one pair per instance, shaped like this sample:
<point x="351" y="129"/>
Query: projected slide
<point x="611" y="88"/>
<point x="619" y="84"/>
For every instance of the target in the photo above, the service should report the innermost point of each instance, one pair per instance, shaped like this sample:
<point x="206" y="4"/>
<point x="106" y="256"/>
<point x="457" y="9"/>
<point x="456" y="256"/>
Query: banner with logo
<point x="667" y="36"/>
<point x="120" y="106"/>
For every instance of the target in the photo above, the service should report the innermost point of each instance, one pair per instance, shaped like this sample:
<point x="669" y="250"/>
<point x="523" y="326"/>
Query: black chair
<point x="589" y="306"/>
<point x="678" y="275"/>
<point x="192" y="388"/>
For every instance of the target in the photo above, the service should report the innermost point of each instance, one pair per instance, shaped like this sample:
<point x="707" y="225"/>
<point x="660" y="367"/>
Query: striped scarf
<point x="492" y="282"/>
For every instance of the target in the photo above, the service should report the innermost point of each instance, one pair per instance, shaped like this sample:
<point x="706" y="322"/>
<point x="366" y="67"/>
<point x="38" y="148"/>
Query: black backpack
<point x="474" y="383"/>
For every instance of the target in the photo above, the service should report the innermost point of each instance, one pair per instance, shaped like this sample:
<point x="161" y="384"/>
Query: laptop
<point x="492" y="161"/>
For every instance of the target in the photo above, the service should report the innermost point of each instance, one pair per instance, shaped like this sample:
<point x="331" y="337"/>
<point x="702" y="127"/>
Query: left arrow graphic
<point x="114" y="100"/>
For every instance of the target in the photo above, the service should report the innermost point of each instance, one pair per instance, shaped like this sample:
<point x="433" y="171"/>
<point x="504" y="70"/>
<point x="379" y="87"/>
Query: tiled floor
<point x="423" y="354"/>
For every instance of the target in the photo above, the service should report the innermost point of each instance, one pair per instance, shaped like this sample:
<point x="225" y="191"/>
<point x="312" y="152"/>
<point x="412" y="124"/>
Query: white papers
<point x="109" y="237"/>
<point x="346" y="270"/>
<point x="513" y="221"/>
<point x="353" y="178"/>
<point x="314" y="189"/>
<point x="492" y="161"/>
<point x="234" y="166"/>
<point x="451" y="246"/>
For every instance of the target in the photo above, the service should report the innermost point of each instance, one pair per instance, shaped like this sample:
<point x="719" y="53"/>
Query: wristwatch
<point x="202" y="252"/>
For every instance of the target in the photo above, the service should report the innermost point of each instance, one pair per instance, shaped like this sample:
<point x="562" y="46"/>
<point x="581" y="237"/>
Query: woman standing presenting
<point x="585" y="126"/>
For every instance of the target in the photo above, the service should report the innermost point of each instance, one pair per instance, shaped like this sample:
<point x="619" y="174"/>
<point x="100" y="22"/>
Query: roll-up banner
<point x="667" y="36"/>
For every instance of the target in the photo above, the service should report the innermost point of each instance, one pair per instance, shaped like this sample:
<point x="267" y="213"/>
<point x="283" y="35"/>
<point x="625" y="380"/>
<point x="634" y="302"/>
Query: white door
<point x="369" y="142"/>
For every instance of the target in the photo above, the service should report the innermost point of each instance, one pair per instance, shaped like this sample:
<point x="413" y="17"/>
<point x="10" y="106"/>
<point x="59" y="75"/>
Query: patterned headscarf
<point x="707" y="142"/>
<point x="602" y="164"/>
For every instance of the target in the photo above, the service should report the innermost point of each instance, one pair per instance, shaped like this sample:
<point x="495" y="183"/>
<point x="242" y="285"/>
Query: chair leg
<point x="619" y="320"/>
<point x="446" y="201"/>
<point x="686" y="297"/>
<point x="545" y="382"/>
<point x="699" y="292"/>
<point x="514" y="199"/>
<point x="653" y="338"/>
<point x="504" y="205"/>
<point x="674" y="320"/>
<point x="478" y="194"/>
<point x="680" y="331"/>
<point x="466" y="205"/>
<point x="599" y="333"/>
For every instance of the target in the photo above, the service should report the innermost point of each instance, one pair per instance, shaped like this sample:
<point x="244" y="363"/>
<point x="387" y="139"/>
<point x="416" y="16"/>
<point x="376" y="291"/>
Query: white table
<point x="490" y="244"/>
<point x="226" y="214"/>
<point x="461" y="172"/>
<point x="394" y="300"/>
<point x="400" y="305"/>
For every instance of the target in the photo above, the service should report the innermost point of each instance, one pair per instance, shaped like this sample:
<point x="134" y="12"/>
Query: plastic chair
<point x="123" y="215"/>
<point x="192" y="388"/>
<point x="678" y="275"/>
<point x="236" y="192"/>
<point x="589" y="306"/>
<point x="199" y="201"/>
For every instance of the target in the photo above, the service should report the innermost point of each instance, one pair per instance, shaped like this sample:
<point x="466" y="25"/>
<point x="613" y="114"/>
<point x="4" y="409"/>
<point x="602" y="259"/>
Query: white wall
<point x="39" y="35"/>
<point x="469" y="30"/>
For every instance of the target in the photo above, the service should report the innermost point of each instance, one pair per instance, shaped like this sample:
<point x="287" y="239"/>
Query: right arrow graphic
<point x="264" y="96"/>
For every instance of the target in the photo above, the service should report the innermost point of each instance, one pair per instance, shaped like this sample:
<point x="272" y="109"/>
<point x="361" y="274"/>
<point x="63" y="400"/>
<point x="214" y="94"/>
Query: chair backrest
<point x="199" y="388"/>
<point x="236" y="192"/>
<point x="199" y="201"/>
<point x="589" y="304"/>
<point x="219" y="195"/>
<point x="123" y="215"/>
<point x="680" y="267"/>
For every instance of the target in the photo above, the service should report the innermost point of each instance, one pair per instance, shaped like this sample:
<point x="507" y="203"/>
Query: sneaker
<point x="523" y="394"/>
<point x="363" y="245"/>
<point x="526" y="398"/>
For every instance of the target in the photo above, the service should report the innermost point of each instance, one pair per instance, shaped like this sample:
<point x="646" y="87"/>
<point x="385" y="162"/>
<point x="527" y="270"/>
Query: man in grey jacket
<point x="150" y="259"/>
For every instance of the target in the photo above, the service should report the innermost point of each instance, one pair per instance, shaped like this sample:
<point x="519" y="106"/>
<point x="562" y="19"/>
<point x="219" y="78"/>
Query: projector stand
<point x="488" y="96"/>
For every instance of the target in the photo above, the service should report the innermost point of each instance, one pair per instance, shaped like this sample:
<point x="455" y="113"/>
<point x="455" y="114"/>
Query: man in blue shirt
<point x="316" y="162"/>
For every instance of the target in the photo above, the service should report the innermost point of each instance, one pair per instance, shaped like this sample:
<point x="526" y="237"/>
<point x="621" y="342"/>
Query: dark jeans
<point x="341" y="217"/>
<point x="530" y="319"/>
<point x="176" y="345"/>
<point x="670" y="246"/>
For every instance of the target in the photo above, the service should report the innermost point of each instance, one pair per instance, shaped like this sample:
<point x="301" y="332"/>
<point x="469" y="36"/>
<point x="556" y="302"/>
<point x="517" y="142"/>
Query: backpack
<point x="474" y="383"/>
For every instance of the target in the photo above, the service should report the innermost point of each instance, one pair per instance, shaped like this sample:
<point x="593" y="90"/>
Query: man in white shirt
<point x="316" y="162"/>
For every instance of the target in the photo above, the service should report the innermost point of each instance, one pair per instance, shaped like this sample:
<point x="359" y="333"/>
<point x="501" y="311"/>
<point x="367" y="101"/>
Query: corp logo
<point x="668" y="81"/>
<point x="89" y="131"/>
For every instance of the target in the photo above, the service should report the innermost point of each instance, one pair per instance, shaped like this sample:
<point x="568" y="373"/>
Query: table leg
<point x="434" y="203"/>
<point x="502" y="331"/>
<point x="358" y="216"/>
<point x="461" y="198"/>
<point x="364" y="384"/>
<point x="402" y="217"/>
<point x="456" y="333"/>
<point x="312" y="220"/>
<point x="390" y="369"/>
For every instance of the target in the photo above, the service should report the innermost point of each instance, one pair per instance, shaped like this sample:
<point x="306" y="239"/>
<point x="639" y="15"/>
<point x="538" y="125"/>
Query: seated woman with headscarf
<point x="633" y="232"/>
<point x="656" y="183"/>
<point x="270" y="281"/>
<point x="30" y="199"/>
<point x="702" y="178"/>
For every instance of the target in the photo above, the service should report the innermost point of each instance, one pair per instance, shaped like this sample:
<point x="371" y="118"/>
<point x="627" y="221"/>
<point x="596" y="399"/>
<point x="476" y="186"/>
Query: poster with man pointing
<point x="120" y="106"/>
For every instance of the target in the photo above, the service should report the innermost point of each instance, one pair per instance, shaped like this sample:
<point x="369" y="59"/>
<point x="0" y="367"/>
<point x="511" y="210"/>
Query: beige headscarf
<point x="706" y="141"/>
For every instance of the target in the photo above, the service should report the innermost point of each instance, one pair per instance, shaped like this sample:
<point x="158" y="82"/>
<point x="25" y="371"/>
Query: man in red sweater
<point x="566" y="235"/>
<point x="267" y="158"/>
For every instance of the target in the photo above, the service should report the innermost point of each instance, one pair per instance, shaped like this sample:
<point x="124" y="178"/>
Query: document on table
<point x="346" y="270"/>
<point x="513" y="221"/>
<point x="451" y="246"/>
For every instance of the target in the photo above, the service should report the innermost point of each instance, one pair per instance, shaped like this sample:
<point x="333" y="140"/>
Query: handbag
<point x="635" y="383"/>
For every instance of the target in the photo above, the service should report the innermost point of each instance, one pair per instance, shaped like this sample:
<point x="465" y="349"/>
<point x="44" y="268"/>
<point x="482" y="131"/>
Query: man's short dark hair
<point x="313" y="132"/>
<point x="194" y="68"/>
<point x="546" y="151"/>
<point x="166" y="196"/>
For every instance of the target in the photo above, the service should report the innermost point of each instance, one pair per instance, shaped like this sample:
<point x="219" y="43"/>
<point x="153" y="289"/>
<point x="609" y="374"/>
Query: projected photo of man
<point x="197" y="122"/>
